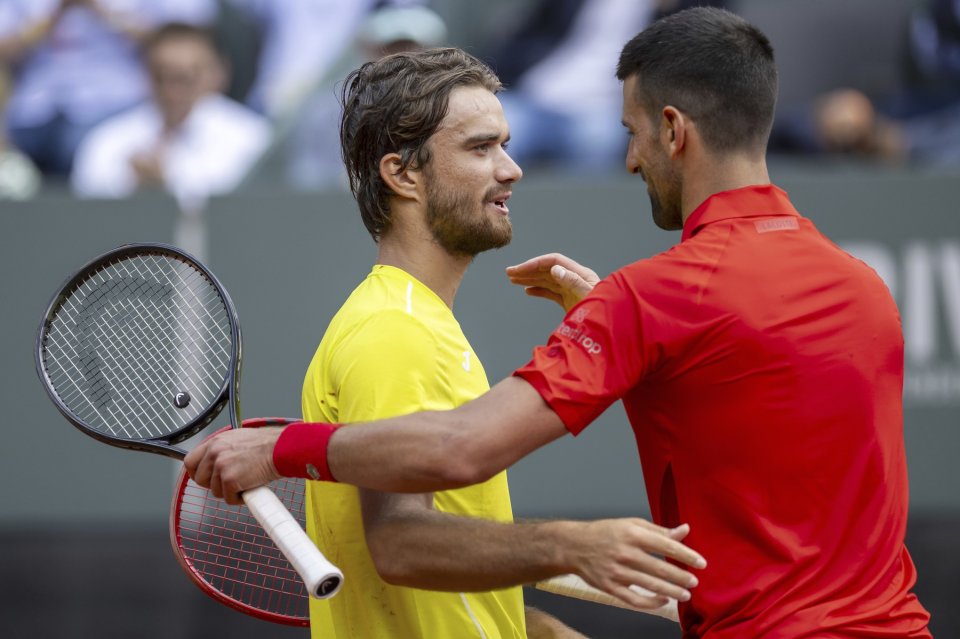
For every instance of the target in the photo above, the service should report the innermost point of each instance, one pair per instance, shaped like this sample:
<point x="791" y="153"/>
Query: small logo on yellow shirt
<point x="466" y="361"/>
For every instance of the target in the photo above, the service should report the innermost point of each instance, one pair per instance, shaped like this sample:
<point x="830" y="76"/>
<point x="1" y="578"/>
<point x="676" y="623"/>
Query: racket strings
<point x="130" y="337"/>
<point x="227" y="548"/>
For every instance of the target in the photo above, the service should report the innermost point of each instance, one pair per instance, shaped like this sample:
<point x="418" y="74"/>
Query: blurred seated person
<point x="314" y="161"/>
<point x="301" y="40"/>
<point x="189" y="139"/>
<point x="920" y="124"/>
<point x="19" y="178"/>
<point x="74" y="63"/>
<point x="561" y="96"/>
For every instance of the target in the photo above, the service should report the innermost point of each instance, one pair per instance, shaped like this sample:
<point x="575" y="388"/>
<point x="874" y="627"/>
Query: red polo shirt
<point x="761" y="368"/>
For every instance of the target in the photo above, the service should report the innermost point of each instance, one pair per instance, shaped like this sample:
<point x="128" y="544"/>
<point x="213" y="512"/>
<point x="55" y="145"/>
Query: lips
<point x="500" y="201"/>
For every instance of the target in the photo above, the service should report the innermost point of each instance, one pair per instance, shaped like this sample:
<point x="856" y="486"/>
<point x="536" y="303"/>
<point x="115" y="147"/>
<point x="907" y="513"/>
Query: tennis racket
<point x="226" y="552"/>
<point x="141" y="349"/>
<point x="574" y="586"/>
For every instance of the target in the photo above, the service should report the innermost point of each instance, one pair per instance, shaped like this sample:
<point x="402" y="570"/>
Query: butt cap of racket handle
<point x="322" y="578"/>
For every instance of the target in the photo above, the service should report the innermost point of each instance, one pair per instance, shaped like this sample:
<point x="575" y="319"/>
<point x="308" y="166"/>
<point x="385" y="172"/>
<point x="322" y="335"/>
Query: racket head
<point x="140" y="347"/>
<point x="228" y="555"/>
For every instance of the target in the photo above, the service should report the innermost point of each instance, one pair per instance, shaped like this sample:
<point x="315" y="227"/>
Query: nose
<point x="633" y="165"/>
<point x="508" y="171"/>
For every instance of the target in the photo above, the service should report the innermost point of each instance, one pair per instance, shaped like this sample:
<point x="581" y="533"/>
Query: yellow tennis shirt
<point x="395" y="348"/>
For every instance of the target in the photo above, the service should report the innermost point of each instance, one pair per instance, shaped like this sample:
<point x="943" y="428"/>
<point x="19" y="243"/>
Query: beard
<point x="460" y="224"/>
<point x="665" y="200"/>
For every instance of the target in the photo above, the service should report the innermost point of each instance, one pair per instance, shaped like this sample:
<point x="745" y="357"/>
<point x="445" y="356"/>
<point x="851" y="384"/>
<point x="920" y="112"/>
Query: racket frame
<point x="197" y="576"/>
<point x="323" y="579"/>
<point x="231" y="382"/>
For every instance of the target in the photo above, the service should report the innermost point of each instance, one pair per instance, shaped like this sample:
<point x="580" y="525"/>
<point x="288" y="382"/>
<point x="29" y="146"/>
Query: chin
<point x="667" y="220"/>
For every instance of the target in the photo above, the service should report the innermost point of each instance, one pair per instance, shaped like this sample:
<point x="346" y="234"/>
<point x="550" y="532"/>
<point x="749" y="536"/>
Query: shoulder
<point x="387" y="331"/>
<point x="650" y="271"/>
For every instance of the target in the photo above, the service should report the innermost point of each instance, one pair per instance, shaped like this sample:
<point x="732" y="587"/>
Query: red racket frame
<point x="229" y="556"/>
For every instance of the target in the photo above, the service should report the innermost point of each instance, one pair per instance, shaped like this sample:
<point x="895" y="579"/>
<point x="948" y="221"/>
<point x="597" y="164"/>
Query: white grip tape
<point x="574" y="586"/>
<point x="322" y="578"/>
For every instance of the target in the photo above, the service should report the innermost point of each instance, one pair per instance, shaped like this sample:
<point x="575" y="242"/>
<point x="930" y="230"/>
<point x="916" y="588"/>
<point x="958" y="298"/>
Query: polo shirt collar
<point x="749" y="201"/>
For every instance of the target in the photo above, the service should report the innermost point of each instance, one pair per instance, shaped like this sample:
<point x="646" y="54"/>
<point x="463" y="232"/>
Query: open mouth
<point x="500" y="202"/>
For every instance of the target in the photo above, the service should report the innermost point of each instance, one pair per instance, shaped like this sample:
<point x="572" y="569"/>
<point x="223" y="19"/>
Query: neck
<point x="718" y="175"/>
<point x="426" y="260"/>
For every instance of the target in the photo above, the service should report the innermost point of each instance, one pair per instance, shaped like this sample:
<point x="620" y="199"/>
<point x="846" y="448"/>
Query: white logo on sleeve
<point x="466" y="361"/>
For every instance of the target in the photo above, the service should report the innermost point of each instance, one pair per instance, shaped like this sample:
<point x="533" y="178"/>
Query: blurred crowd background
<point x="213" y="124"/>
<point x="203" y="97"/>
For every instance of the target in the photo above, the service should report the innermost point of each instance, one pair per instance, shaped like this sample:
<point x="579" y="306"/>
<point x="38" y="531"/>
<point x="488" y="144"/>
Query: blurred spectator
<point x="189" y="139"/>
<point x="74" y="63"/>
<point x="920" y="124"/>
<point x="313" y="145"/>
<point x="19" y="178"/>
<point x="562" y="98"/>
<point x="300" y="41"/>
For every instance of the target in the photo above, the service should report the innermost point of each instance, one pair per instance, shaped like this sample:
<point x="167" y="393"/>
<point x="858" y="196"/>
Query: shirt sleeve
<point x="389" y="368"/>
<point x="596" y="355"/>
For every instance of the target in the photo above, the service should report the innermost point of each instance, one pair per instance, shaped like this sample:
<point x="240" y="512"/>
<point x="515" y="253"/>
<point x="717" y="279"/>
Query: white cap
<point x="395" y="24"/>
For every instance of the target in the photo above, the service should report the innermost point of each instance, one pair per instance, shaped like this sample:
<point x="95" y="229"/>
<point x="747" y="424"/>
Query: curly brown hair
<point x="394" y="105"/>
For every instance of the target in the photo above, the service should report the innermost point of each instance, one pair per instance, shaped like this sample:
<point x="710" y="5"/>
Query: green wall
<point x="288" y="260"/>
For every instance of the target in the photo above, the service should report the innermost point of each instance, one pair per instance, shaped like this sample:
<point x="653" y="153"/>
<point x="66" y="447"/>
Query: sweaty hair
<point x="394" y="105"/>
<point x="713" y="66"/>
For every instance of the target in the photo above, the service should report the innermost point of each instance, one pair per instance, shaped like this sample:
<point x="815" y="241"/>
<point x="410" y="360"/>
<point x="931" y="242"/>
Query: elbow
<point x="459" y="461"/>
<point x="388" y="563"/>
<point x="391" y="561"/>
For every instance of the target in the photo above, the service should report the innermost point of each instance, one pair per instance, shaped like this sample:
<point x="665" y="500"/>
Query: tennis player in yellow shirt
<point x="424" y="142"/>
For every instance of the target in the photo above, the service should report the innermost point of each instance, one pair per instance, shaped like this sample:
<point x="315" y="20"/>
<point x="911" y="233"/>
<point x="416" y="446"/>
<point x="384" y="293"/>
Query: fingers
<point x="539" y="264"/>
<point x="193" y="462"/>
<point x="537" y="291"/>
<point x="233" y="461"/>
<point x="543" y="264"/>
<point x="570" y="282"/>
<point x="666" y="542"/>
<point x="635" y="552"/>
<point x="554" y="277"/>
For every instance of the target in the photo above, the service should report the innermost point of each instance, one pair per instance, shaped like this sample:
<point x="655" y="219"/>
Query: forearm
<point x="14" y="47"/>
<point x="440" y="450"/>
<point x="540" y="625"/>
<point x="124" y="24"/>
<point x="436" y="551"/>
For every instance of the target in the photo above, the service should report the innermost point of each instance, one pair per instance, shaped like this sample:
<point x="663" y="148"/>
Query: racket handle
<point x="574" y="586"/>
<point x="321" y="577"/>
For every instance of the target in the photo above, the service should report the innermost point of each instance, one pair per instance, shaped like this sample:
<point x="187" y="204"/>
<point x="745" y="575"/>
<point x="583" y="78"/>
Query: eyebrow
<point x="483" y="137"/>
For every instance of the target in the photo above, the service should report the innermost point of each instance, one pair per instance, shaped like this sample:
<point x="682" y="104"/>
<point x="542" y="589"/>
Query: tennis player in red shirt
<point x="761" y="368"/>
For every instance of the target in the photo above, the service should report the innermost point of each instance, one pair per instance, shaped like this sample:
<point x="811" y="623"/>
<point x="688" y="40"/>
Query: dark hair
<point x="394" y="105"/>
<point x="715" y="67"/>
<point x="177" y="30"/>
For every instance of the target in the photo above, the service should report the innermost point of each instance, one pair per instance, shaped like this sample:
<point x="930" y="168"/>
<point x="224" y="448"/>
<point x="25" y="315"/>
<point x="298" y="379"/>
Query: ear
<point x="404" y="182"/>
<point x="674" y="130"/>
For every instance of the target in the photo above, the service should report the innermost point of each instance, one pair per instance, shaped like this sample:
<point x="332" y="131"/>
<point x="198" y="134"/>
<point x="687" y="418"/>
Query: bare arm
<point x="439" y="450"/>
<point x="16" y="46"/>
<point x="447" y="449"/>
<point x="415" y="453"/>
<point x="415" y="546"/>
<point x="540" y="625"/>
